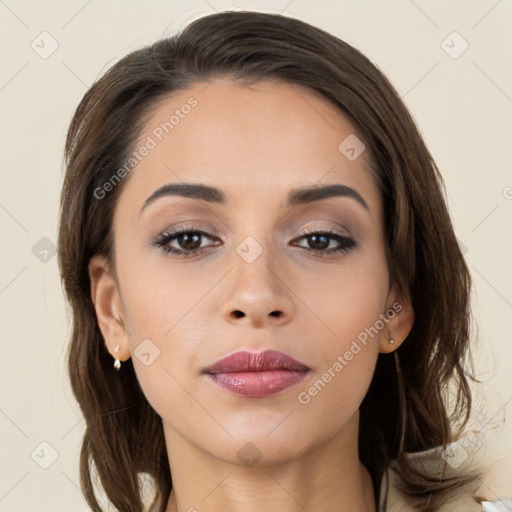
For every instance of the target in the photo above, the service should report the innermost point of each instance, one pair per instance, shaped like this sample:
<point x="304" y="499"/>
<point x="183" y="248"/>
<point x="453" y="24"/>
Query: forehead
<point x="271" y="136"/>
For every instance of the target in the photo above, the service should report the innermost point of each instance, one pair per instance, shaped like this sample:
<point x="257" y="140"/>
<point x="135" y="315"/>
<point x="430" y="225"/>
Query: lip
<point x="256" y="374"/>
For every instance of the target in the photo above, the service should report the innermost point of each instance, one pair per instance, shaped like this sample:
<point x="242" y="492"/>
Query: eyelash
<point x="164" y="238"/>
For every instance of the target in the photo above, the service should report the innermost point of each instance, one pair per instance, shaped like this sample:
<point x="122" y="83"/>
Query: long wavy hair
<point x="404" y="411"/>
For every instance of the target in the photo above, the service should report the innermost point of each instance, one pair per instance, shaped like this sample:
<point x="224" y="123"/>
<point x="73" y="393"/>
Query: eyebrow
<point x="214" y="195"/>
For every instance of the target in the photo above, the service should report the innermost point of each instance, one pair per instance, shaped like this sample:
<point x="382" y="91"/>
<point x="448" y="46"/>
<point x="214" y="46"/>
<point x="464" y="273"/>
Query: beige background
<point x="463" y="106"/>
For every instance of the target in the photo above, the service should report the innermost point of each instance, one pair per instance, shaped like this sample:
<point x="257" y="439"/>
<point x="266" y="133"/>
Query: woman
<point x="254" y="233"/>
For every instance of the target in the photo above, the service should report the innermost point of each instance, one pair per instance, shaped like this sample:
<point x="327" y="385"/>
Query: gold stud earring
<point x="117" y="363"/>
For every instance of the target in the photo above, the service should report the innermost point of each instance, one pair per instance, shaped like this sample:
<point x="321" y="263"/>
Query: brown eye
<point x="319" y="242"/>
<point x="186" y="241"/>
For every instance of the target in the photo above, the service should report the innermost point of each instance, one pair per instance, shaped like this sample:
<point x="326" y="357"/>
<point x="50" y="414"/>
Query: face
<point x="253" y="266"/>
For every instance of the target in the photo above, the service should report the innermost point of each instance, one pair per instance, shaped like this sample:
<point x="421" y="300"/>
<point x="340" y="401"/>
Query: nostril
<point x="239" y="314"/>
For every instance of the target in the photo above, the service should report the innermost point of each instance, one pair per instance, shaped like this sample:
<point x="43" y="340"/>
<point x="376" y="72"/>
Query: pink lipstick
<point x="256" y="374"/>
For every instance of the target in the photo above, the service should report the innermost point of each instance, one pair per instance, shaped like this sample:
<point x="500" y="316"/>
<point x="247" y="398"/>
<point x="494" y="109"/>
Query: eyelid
<point x="338" y="229"/>
<point x="306" y="228"/>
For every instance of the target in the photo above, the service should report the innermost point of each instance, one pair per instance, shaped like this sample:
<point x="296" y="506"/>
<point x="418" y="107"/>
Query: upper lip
<point x="244" y="361"/>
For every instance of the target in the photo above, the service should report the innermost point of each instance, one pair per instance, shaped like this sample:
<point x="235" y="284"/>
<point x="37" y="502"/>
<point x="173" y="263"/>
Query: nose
<point x="257" y="294"/>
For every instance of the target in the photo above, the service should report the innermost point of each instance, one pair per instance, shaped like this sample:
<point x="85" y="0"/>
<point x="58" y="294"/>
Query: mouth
<point x="256" y="374"/>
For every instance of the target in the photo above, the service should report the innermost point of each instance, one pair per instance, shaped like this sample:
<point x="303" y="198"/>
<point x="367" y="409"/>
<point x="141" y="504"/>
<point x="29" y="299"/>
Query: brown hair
<point x="402" y="411"/>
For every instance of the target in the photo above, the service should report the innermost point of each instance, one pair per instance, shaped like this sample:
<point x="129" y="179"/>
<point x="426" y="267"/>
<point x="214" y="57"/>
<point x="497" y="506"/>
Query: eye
<point x="187" y="239"/>
<point x="184" y="242"/>
<point x="319" y="242"/>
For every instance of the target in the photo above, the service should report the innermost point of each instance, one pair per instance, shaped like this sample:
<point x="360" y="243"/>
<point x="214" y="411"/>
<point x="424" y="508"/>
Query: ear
<point x="109" y="311"/>
<point x="400" y="319"/>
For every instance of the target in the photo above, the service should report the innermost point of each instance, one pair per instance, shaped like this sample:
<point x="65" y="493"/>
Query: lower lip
<point x="257" y="384"/>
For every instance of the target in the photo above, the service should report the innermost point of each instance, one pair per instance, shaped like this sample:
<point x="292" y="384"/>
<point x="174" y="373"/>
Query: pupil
<point x="319" y="242"/>
<point x="190" y="242"/>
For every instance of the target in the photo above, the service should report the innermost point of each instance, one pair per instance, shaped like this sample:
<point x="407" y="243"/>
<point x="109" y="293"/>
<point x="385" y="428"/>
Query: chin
<point x="259" y="452"/>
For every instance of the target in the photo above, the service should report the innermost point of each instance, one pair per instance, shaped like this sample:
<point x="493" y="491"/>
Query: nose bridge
<point x="256" y="293"/>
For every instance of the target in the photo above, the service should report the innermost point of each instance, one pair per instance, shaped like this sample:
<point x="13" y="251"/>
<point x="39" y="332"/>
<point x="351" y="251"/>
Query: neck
<point x="328" y="478"/>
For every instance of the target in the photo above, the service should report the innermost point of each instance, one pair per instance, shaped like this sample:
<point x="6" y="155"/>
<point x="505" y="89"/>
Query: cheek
<point x="348" y="308"/>
<point x="346" y="358"/>
<point x="156" y="298"/>
<point x="348" y="299"/>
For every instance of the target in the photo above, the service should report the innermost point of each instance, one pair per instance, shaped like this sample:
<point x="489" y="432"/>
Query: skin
<point x="255" y="144"/>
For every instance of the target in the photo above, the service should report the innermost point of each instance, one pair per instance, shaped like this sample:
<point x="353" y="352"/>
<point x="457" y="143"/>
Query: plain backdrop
<point x="450" y="62"/>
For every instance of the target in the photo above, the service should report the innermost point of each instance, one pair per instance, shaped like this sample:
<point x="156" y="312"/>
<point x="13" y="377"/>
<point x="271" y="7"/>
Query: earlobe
<point x="107" y="304"/>
<point x="400" y="316"/>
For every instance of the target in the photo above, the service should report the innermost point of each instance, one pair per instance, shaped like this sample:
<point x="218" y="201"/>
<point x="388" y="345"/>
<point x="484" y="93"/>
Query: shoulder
<point x="391" y="500"/>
